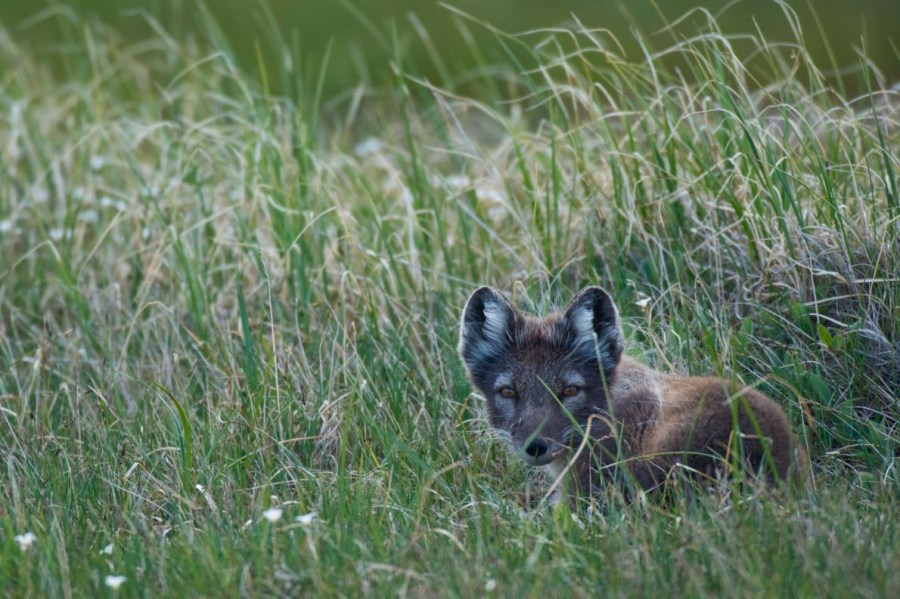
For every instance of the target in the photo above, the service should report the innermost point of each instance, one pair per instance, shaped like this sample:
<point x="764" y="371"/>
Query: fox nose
<point x="536" y="448"/>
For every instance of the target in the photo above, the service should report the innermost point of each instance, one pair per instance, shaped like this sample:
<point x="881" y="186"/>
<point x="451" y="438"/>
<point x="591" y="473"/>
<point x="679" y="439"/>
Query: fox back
<point x="559" y="389"/>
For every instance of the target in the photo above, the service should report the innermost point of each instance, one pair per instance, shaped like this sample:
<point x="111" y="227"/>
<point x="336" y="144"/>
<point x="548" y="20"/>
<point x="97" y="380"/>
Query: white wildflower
<point x="6" y="226"/>
<point x="367" y="146"/>
<point x="88" y="216"/>
<point x="114" y="581"/>
<point x="273" y="514"/>
<point x="490" y="585"/>
<point x="489" y="195"/>
<point x="457" y="182"/>
<point x="108" y="202"/>
<point x="107" y="550"/>
<point x="306" y="519"/>
<point x="643" y="302"/>
<point x="55" y="234"/>
<point x="25" y="541"/>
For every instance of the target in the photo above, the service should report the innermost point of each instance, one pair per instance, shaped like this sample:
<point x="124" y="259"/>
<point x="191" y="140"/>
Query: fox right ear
<point x="484" y="329"/>
<point x="593" y="318"/>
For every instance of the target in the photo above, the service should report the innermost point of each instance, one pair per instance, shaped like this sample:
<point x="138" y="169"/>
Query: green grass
<point x="214" y="302"/>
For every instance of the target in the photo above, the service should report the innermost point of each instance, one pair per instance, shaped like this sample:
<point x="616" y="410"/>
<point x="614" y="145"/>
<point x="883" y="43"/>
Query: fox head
<point x="542" y="377"/>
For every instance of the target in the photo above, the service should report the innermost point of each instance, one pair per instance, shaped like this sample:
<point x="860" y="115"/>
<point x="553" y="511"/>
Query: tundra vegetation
<point x="228" y="317"/>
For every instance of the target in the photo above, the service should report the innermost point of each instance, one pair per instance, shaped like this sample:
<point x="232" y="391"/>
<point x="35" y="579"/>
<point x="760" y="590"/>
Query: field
<point x="228" y="317"/>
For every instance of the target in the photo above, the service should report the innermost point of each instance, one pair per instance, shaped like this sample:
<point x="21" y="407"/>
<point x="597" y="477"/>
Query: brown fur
<point x="625" y="418"/>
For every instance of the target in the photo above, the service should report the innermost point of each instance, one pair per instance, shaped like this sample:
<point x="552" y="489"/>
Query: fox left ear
<point x="593" y="313"/>
<point x="484" y="331"/>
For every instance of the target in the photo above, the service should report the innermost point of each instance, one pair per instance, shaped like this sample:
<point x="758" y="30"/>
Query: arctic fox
<point x="560" y="390"/>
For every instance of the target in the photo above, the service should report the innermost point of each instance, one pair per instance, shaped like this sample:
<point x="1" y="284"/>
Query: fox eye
<point x="571" y="391"/>
<point x="507" y="392"/>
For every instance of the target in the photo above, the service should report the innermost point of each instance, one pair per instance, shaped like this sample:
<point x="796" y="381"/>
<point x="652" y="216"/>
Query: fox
<point x="561" y="391"/>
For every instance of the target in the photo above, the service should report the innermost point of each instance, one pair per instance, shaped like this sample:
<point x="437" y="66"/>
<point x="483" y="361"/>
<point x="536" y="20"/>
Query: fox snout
<point x="538" y="445"/>
<point x="540" y="451"/>
<point x="537" y="435"/>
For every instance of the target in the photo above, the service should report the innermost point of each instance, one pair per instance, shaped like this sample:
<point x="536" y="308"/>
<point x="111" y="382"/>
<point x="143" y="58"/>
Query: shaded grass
<point x="215" y="301"/>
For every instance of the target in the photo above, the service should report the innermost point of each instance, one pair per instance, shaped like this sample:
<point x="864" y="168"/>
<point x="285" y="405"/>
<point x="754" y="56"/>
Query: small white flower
<point x="273" y="514"/>
<point x="490" y="585"/>
<point x="6" y="226"/>
<point x="55" y="234"/>
<point x="88" y="216"/>
<point x="367" y="146"/>
<point x="200" y="488"/>
<point x="306" y="519"/>
<point x="108" y="202"/>
<point x="643" y="302"/>
<point x="458" y="181"/>
<point x="114" y="581"/>
<point x="107" y="550"/>
<point x="489" y="195"/>
<point x="25" y="541"/>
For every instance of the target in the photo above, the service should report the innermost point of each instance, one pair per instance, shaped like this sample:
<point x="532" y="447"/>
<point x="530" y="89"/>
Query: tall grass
<point x="214" y="302"/>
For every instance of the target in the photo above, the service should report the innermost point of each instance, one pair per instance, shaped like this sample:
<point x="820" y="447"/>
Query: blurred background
<point x="349" y="42"/>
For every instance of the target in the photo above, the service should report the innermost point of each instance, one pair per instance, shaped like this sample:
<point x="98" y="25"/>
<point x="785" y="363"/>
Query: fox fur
<point x="560" y="390"/>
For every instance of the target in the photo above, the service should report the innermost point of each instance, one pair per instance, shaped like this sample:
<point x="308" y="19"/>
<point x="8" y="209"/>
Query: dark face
<point x="542" y="378"/>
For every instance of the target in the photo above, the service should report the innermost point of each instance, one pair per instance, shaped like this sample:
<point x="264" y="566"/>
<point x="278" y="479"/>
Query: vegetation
<point x="228" y="318"/>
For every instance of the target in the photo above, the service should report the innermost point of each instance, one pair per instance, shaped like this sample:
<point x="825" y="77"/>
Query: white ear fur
<point x="484" y="327"/>
<point x="595" y="321"/>
<point x="495" y="318"/>
<point x="583" y="323"/>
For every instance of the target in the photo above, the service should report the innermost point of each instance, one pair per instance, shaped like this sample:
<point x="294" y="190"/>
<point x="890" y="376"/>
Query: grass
<point x="215" y="302"/>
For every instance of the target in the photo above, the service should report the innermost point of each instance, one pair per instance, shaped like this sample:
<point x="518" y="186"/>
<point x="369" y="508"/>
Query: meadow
<point x="228" y="316"/>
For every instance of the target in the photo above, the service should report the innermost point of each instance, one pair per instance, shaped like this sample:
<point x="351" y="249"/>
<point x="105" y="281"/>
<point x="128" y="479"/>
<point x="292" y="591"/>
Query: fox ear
<point x="484" y="330"/>
<point x="593" y="313"/>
